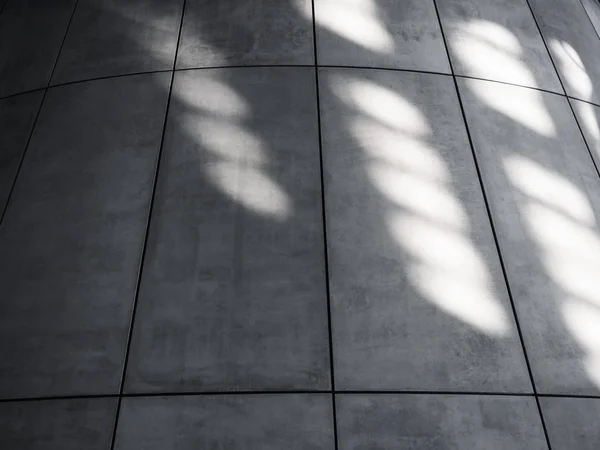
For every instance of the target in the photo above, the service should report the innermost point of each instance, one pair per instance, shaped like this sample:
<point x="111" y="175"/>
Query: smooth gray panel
<point x="31" y="32"/>
<point x="238" y="32"/>
<point x="71" y="240"/>
<point x="544" y="196"/>
<point x="572" y="423"/>
<point x="497" y="40"/>
<point x="386" y="33"/>
<point x="418" y="295"/>
<point x="438" y="422"/>
<point x="17" y="115"/>
<point x="58" y="424"/>
<point x="116" y="37"/>
<point x="573" y="44"/>
<point x="234" y="422"/>
<point x="233" y="290"/>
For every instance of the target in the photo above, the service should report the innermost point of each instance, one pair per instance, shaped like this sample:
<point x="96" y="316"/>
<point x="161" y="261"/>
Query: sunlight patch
<point x="357" y="21"/>
<point x="527" y="108"/>
<point x="573" y="69"/>
<point x="487" y="49"/>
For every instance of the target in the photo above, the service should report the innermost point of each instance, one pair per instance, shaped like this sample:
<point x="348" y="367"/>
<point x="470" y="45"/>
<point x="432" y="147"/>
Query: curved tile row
<point x="532" y="159"/>
<point x="498" y="41"/>
<point x="301" y="422"/>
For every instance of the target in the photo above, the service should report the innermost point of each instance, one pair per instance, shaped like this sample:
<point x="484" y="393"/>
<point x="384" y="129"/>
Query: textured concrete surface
<point x="234" y="297"/>
<point x="58" y="424"/>
<point x="543" y="190"/>
<point x="237" y="32"/>
<point x="592" y="8"/>
<point x="113" y="37"/>
<point x="270" y="224"/>
<point x="588" y="118"/>
<point x="17" y="115"/>
<point x="497" y="40"/>
<point x="232" y="422"/>
<point x="395" y="260"/>
<point x="573" y="43"/>
<point x="398" y="35"/>
<point x="438" y="422"/>
<point x="72" y="237"/>
<point x="34" y="30"/>
<point x="572" y="422"/>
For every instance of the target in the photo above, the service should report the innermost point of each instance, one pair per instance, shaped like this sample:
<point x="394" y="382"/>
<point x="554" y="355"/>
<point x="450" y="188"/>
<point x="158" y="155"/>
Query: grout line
<point x="324" y="216"/>
<point x="584" y="140"/>
<point x="30" y="91"/>
<point x="265" y="66"/>
<point x="390" y="69"/>
<point x="494" y="233"/>
<point x="62" y="44"/>
<point x="24" y="152"/>
<point x="508" y="83"/>
<point x="595" y="397"/>
<point x="426" y="392"/>
<point x="58" y="398"/>
<point x="229" y="393"/>
<point x="589" y="18"/>
<point x="140" y="268"/>
<point x="150" y="210"/>
<point x="243" y="66"/>
<point x="294" y="392"/>
<point x="108" y="77"/>
<point x="547" y="49"/>
<point x="580" y="100"/>
<point x="146" y="235"/>
<point x="145" y="242"/>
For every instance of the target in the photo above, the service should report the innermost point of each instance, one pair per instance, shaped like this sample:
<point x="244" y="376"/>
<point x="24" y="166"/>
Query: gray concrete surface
<point x="31" y="32"/>
<point x="390" y="330"/>
<point x="572" y="422"/>
<point x="538" y="170"/>
<point x="233" y="297"/>
<point x="17" y="116"/>
<point x="573" y="43"/>
<point x="438" y="422"/>
<point x="397" y="35"/>
<point x="237" y="32"/>
<point x="112" y="37"/>
<point x="71" y="424"/>
<point x="71" y="240"/>
<point x="372" y="228"/>
<point x="497" y="40"/>
<point x="233" y="421"/>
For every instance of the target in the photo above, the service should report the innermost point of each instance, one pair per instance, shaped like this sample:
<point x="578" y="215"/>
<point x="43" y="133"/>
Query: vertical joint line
<point x="23" y="152"/>
<point x="41" y="104"/>
<point x="324" y="218"/>
<point x="589" y="18"/>
<point x="566" y="95"/>
<point x="493" y="228"/>
<point x="62" y="44"/>
<point x="146" y="234"/>
<point x="537" y="25"/>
